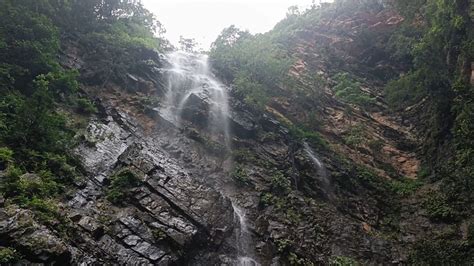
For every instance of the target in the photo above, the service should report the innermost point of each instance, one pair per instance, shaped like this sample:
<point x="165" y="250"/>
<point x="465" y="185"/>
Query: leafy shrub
<point x="405" y="186"/>
<point x="342" y="261"/>
<point x="256" y="65"/>
<point x="252" y="92"/>
<point x="6" y="157"/>
<point x="444" y="249"/>
<point x="302" y="134"/>
<point x="283" y="245"/>
<point x="240" y="175"/>
<point x="33" y="186"/>
<point x="22" y="188"/>
<point x="266" y="199"/>
<point x="294" y="259"/>
<point x="349" y="91"/>
<point x="280" y="182"/>
<point x="356" y="136"/>
<point x="371" y="180"/>
<point x="404" y="92"/>
<point x="438" y="207"/>
<point x="423" y="172"/>
<point x="122" y="183"/>
<point x="159" y="234"/>
<point x="86" y="106"/>
<point x="46" y="211"/>
<point x="269" y="199"/>
<point x="8" y="255"/>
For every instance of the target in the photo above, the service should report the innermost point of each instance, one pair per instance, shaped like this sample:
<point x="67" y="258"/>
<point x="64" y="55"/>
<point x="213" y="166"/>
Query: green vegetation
<point x="241" y="175"/>
<point x="120" y="188"/>
<point x="303" y="134"/>
<point x="255" y="64"/>
<point x="86" y="106"/>
<point x="6" y="157"/>
<point x="280" y="183"/>
<point x="349" y="91"/>
<point x="356" y="136"/>
<point x="439" y="208"/>
<point x="159" y="234"/>
<point x="38" y="95"/>
<point x="35" y="192"/>
<point x="8" y="255"/>
<point x="444" y="248"/>
<point x="371" y="180"/>
<point x="404" y="92"/>
<point x="405" y="187"/>
<point x="342" y="261"/>
<point x="438" y="53"/>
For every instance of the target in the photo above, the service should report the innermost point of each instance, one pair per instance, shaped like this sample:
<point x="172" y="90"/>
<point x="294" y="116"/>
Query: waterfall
<point x="312" y="155"/>
<point x="189" y="77"/>
<point x="243" y="239"/>
<point x="322" y="173"/>
<point x="191" y="88"/>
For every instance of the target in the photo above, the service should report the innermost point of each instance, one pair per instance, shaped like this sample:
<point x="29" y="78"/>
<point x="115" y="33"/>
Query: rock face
<point x="170" y="212"/>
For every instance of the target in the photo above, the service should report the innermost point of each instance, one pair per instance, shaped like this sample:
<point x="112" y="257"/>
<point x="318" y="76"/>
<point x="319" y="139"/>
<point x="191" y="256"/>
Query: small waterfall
<point x="312" y="155"/>
<point x="243" y="239"/>
<point x="190" y="76"/>
<point x="322" y="173"/>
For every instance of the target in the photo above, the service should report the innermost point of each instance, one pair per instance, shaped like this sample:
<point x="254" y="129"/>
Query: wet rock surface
<point x="169" y="212"/>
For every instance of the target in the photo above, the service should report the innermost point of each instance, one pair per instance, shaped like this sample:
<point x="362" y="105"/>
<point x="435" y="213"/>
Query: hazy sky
<point x="203" y="20"/>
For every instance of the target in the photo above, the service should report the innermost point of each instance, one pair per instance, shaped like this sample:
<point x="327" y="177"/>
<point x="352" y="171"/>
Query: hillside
<point x="344" y="136"/>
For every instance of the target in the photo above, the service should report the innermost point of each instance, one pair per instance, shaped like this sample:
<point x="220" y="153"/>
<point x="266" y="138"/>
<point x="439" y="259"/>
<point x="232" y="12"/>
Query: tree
<point x="188" y="45"/>
<point x="293" y="11"/>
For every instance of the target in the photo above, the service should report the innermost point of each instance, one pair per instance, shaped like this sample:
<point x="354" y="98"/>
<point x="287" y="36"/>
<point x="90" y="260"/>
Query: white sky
<point x="203" y="20"/>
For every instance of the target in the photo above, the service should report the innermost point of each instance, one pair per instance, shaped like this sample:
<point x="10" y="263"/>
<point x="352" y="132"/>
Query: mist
<point x="203" y="20"/>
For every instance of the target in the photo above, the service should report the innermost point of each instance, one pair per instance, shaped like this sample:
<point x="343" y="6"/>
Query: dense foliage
<point x="439" y="56"/>
<point x="255" y="64"/>
<point x="39" y="97"/>
<point x="33" y="133"/>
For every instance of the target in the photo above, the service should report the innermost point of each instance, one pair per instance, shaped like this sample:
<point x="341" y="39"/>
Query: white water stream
<point x="192" y="87"/>
<point x="321" y="170"/>
<point x="243" y="239"/>
<point x="190" y="76"/>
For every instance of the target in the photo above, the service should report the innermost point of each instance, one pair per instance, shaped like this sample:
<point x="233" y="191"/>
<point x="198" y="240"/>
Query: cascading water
<point x="191" y="83"/>
<point x="322" y="173"/>
<point x="189" y="76"/>
<point x="243" y="239"/>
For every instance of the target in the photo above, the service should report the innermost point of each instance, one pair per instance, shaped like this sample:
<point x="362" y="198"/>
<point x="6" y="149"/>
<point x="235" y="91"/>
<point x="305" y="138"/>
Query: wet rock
<point x="35" y="239"/>
<point x="122" y="254"/>
<point x="149" y="251"/>
<point x="132" y="240"/>
<point x="242" y="124"/>
<point x="102" y="179"/>
<point x="197" y="108"/>
<point x="92" y="226"/>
